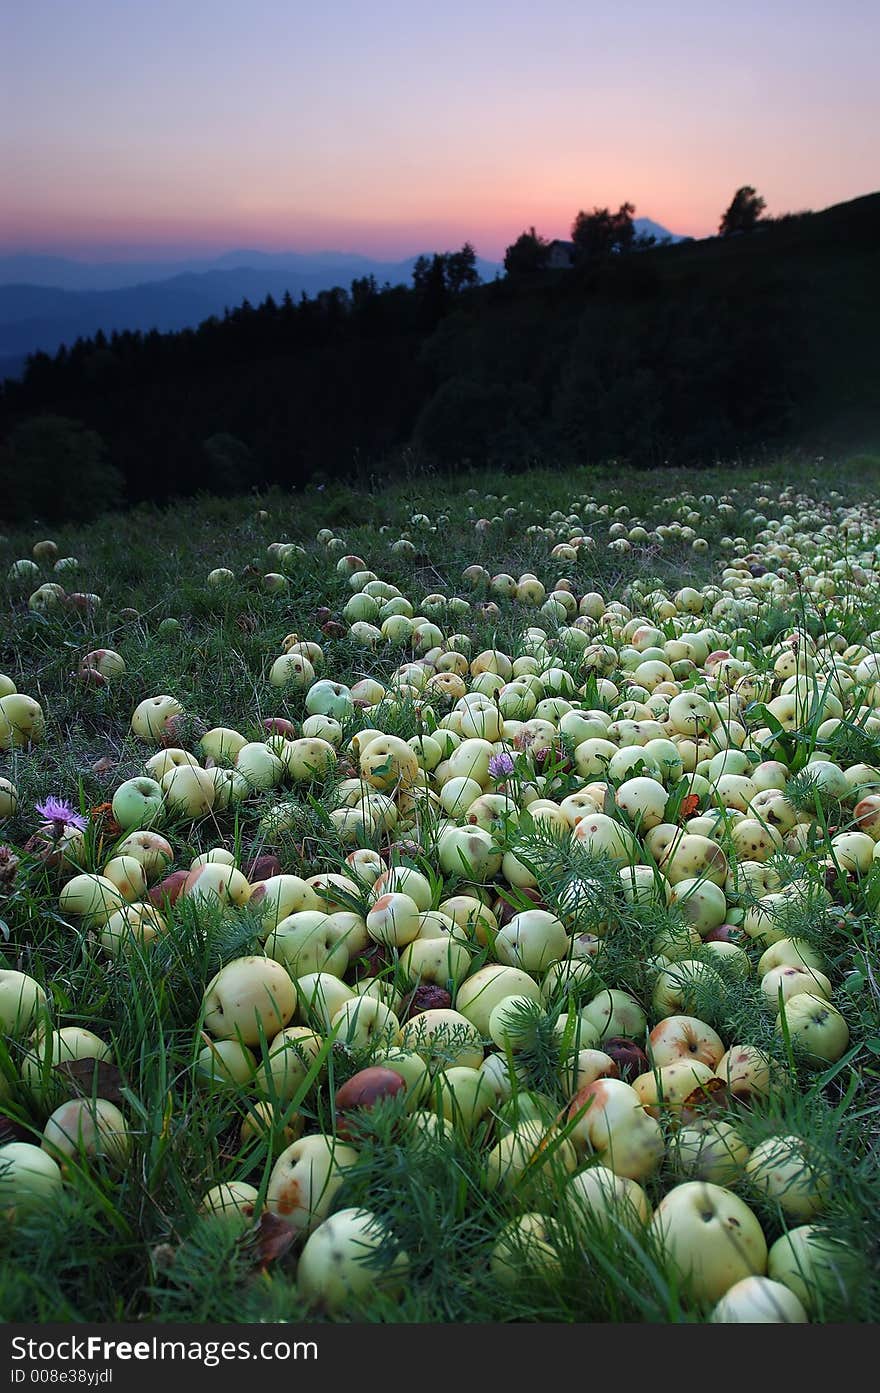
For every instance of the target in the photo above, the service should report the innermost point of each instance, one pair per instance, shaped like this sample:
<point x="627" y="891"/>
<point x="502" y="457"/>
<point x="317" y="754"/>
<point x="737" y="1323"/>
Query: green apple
<point x="328" y="698"/>
<point x="234" y="1200"/>
<point x="29" y="1178"/>
<point x="150" y="717"/>
<point x="23" y="1002"/>
<point x="820" y="1269"/>
<point x="138" y="803"/>
<point x="815" y="1027"/>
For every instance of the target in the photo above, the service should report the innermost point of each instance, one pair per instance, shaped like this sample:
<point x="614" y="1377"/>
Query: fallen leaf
<point x="92" y="1078"/>
<point x="272" y="1237"/>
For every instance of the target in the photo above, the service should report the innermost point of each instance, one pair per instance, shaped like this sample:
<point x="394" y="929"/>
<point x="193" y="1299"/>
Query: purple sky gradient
<point x="395" y="126"/>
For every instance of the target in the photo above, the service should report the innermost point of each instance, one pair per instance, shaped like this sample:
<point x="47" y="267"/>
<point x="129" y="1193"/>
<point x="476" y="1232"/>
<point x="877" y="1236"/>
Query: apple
<point x="291" y="1055"/>
<point x="133" y="927"/>
<point x="150" y="718"/>
<point x="248" y="1000"/>
<point x="524" y="1248"/>
<point x="22" y="722"/>
<point x="292" y="670"/>
<point x="531" y="941"/>
<point x="684" y="1037"/>
<point x="608" y="1200"/>
<point x="8" y="798"/>
<point x="128" y="875"/>
<point x="306" y="1178"/>
<point x="758" y="1301"/>
<point x="470" y="852"/>
<point x="309" y="941"/>
<point x="615" y="1013"/>
<point x="234" y="1200"/>
<point x="821" y="1270"/>
<point x="327" y="698"/>
<point x="105" y="661"/>
<point x="791" y="982"/>
<point x="29" y="1178"/>
<point x="223" y="1064"/>
<point x="168" y="891"/>
<point x="443" y="1038"/>
<point x="394" y="920"/>
<point x="480" y="993"/>
<point x="51" y="1047"/>
<point x="280" y="896"/>
<point x="87" y="1127"/>
<point x="710" y="1236"/>
<point x="23" y="1002"/>
<point x="709" y="1149"/>
<point x="91" y="897"/>
<point x="364" y="1089"/>
<point x="786" y="1169"/>
<point x="308" y="758"/>
<point x="814" y="1027"/>
<point x="607" y="1118"/>
<point x="345" y="1260"/>
<point x="629" y="1059"/>
<point x="259" y="766"/>
<point x="664" y="1090"/>
<point x="221" y="744"/>
<point x="364" y="1021"/>
<point x="465" y="1096"/>
<point x="138" y="803"/>
<point x="748" y="1073"/>
<point x="531" y="1158"/>
<point x="188" y="791"/>
<point x="216" y="883"/>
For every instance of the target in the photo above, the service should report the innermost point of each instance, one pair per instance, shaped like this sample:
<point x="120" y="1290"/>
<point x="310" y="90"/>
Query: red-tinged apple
<point x="814" y="1027"/>
<point x="306" y="1179"/>
<point x="364" y="1090"/>
<point x="168" y="890"/>
<point x="759" y="1301"/>
<point x="393" y="920"/>
<point x="87" y="1128"/>
<point x="23" y="1002"/>
<point x="249" y="999"/>
<point x="280" y="896"/>
<point x="629" y="1058"/>
<point x="607" y="1118"/>
<point x="29" y="1179"/>
<point x="105" y="661"/>
<point x="684" y="1037"/>
<point x="335" y="1271"/>
<point x="710" y="1236"/>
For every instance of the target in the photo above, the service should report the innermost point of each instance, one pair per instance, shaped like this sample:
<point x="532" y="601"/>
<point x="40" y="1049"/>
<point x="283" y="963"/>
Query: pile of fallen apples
<point x="651" y="743"/>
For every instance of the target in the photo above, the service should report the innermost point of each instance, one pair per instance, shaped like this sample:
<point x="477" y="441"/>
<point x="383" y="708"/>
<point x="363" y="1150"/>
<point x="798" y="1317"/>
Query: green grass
<point x="130" y="1244"/>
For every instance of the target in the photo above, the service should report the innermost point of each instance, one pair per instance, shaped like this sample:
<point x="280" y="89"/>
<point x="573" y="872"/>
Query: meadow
<point x="455" y="900"/>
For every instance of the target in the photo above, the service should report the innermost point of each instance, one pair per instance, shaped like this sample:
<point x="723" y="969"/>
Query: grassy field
<point x="121" y="1232"/>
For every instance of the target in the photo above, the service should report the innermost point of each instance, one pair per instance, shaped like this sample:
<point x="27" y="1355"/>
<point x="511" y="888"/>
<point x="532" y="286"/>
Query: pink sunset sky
<point x="388" y="128"/>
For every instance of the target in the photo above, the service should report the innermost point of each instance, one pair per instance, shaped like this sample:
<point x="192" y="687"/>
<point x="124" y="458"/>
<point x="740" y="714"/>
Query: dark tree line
<point x="684" y="353"/>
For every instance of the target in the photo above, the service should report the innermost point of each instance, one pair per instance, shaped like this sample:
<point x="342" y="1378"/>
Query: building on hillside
<point x="560" y="255"/>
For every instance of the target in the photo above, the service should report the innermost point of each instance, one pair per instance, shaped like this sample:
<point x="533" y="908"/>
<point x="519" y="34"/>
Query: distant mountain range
<point x="47" y="301"/>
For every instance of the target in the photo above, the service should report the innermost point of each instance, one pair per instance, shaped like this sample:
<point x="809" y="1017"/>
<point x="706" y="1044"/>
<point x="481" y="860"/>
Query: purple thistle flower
<point x="500" y="766"/>
<point x="61" y="813"/>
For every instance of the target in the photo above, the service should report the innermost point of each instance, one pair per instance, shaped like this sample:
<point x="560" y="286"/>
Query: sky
<point x="389" y="127"/>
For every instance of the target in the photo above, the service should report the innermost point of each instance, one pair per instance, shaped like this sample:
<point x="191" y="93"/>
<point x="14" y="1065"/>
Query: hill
<point x="682" y="354"/>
